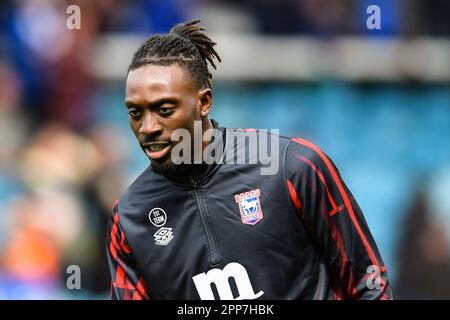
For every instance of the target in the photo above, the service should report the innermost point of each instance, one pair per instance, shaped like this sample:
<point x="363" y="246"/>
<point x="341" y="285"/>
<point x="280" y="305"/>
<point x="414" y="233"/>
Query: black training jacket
<point x="232" y="233"/>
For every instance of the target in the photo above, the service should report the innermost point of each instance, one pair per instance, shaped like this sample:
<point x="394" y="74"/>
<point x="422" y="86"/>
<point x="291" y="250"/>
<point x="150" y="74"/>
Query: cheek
<point x="195" y="110"/>
<point x="187" y="114"/>
<point x="134" y="125"/>
<point x="193" y="106"/>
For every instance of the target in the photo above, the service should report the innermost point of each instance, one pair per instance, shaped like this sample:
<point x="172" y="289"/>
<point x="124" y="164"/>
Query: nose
<point x="150" y="124"/>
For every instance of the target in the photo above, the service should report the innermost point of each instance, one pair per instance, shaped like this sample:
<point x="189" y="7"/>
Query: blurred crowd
<point x="58" y="181"/>
<point x="424" y="249"/>
<point x="62" y="165"/>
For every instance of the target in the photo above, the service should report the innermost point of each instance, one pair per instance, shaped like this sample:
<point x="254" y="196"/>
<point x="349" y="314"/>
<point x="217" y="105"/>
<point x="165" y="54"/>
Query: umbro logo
<point x="158" y="217"/>
<point x="163" y="236"/>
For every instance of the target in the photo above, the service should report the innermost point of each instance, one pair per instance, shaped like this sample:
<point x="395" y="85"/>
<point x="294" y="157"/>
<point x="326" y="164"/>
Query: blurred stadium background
<point x="377" y="101"/>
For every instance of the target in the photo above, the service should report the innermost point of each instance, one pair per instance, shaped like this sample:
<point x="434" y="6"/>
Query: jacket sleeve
<point x="336" y="224"/>
<point x="126" y="281"/>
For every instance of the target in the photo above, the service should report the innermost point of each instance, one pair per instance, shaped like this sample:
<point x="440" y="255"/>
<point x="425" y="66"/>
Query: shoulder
<point x="302" y="148"/>
<point x="259" y="136"/>
<point x="294" y="152"/>
<point x="138" y="190"/>
<point x="302" y="154"/>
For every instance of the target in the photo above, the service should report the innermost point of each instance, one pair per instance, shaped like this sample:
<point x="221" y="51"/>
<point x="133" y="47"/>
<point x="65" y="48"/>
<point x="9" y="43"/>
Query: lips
<point x="156" y="150"/>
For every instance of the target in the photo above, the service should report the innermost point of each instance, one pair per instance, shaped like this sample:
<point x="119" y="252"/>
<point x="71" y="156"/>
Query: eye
<point x="134" y="113"/>
<point x="165" y="111"/>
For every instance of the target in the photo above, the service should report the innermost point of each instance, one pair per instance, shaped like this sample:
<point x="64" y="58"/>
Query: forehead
<point x="151" y="81"/>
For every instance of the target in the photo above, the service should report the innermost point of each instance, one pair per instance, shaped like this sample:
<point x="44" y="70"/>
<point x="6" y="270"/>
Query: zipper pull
<point x="193" y="182"/>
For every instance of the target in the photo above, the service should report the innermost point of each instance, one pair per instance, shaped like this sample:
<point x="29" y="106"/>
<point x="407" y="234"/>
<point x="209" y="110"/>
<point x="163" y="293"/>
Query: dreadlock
<point x="187" y="45"/>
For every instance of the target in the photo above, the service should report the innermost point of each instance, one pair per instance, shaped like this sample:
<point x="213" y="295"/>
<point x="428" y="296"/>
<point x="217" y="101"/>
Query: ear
<point x="205" y="98"/>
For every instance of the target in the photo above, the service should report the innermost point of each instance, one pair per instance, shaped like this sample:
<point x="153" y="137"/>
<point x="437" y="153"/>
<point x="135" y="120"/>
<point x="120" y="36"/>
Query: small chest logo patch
<point x="157" y="217"/>
<point x="163" y="236"/>
<point x="249" y="206"/>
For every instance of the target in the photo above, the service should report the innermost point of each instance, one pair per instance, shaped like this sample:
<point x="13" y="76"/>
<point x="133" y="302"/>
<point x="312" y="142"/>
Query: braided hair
<point x="186" y="44"/>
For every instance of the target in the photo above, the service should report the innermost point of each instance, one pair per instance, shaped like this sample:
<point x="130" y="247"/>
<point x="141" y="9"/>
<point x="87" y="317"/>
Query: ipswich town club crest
<point x="250" y="206"/>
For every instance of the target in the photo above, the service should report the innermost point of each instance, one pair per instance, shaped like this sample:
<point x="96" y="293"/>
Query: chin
<point x="163" y="166"/>
<point x="171" y="170"/>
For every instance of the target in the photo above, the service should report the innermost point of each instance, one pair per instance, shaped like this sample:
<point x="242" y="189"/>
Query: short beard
<point x="163" y="167"/>
<point x="178" y="172"/>
<point x="168" y="168"/>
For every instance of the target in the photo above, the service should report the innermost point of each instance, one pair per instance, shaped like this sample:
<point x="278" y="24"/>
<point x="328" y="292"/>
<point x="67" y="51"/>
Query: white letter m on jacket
<point x="220" y="278"/>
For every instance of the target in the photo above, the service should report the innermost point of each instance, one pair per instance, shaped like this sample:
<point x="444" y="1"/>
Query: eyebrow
<point x="130" y="104"/>
<point x="152" y="105"/>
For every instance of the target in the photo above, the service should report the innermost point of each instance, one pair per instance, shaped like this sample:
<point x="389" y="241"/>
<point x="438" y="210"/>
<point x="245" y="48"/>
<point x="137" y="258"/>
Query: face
<point x="159" y="100"/>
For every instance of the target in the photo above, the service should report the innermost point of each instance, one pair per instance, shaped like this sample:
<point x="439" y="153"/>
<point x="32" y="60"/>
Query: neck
<point x="207" y="132"/>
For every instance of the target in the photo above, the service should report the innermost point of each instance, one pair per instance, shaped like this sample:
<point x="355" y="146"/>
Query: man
<point x="186" y="229"/>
